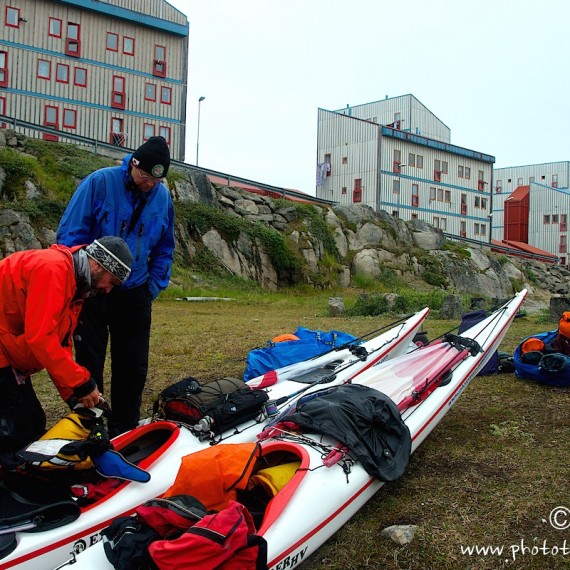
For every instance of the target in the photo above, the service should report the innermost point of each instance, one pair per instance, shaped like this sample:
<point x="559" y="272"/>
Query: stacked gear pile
<point x="545" y="357"/>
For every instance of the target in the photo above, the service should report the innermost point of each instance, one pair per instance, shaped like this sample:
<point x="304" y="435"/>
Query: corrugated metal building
<point x="507" y="180"/>
<point x="363" y="157"/>
<point x="111" y="70"/>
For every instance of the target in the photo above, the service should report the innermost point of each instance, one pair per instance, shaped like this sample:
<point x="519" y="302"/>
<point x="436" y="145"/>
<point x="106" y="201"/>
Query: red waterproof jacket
<point x="38" y="316"/>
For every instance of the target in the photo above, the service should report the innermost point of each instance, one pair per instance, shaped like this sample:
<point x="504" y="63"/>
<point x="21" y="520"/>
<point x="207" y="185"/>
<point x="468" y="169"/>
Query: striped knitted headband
<point x="113" y="254"/>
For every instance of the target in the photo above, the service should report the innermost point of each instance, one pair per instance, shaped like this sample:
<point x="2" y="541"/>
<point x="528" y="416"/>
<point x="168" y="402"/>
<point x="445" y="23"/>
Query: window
<point x="483" y="230"/>
<point x="477" y="231"/>
<point x="464" y="205"/>
<point x="555" y="180"/>
<point x="327" y="161"/>
<point x="411" y="159"/>
<point x="563" y="244"/>
<point x="437" y="165"/>
<point x="3" y="69"/>
<point x="397" y="156"/>
<point x="463" y="229"/>
<point x="51" y="119"/>
<point x="54" y="27"/>
<point x="460" y="171"/>
<point x="546" y="219"/>
<point x="432" y="194"/>
<point x="128" y="46"/>
<point x="483" y="203"/>
<point x="554" y="218"/>
<point x="444" y="166"/>
<point x="44" y="69"/>
<point x="519" y="181"/>
<point x="12" y="17"/>
<point x="2" y="110"/>
<point x="531" y="179"/>
<point x="419" y="161"/>
<point x="62" y="73"/>
<point x="72" y="42"/>
<point x="69" y="119"/>
<point x="80" y="77"/>
<point x="436" y="222"/>
<point x="443" y="224"/>
<point x="159" y="62"/>
<point x="447" y="197"/>
<point x="343" y="191"/>
<point x="166" y="95"/>
<point x="118" y="97"/>
<point x="440" y="194"/>
<point x="499" y="187"/>
<point x="148" y="131"/>
<point x="357" y="192"/>
<point x="415" y="195"/>
<point x="164" y="132"/>
<point x="150" y="92"/>
<point x="395" y="186"/>
<point x="563" y="222"/>
<point x="477" y="202"/>
<point x="112" y="41"/>
<point x="117" y="134"/>
<point x="345" y="159"/>
<point x="467" y="171"/>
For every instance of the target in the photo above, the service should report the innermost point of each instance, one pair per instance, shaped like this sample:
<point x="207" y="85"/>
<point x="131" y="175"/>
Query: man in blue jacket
<point x="130" y="202"/>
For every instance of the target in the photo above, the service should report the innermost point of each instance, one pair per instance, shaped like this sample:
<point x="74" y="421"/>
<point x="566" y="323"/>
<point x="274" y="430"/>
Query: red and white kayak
<point x="318" y="500"/>
<point x="158" y="446"/>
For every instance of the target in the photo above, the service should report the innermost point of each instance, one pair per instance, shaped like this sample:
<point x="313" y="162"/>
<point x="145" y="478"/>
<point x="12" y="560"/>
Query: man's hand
<point x="92" y="399"/>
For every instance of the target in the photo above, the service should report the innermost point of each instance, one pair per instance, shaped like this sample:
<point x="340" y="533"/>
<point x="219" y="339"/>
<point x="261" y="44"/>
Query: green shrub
<point x="17" y="167"/>
<point x="373" y="306"/>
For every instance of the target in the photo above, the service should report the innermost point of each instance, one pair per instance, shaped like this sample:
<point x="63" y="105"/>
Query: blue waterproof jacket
<point x="103" y="205"/>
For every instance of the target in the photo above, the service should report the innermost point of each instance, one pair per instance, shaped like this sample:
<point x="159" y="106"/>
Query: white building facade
<point x="545" y="181"/>
<point x="110" y="70"/>
<point x="401" y="170"/>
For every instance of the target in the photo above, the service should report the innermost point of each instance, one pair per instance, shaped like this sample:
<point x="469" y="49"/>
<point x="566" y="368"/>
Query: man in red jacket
<point x="41" y="295"/>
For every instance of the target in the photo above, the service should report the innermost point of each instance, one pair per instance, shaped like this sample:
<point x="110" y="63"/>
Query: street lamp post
<point x="198" y="128"/>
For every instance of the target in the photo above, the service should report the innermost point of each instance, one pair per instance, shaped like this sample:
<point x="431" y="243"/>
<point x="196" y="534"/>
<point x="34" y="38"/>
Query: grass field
<point x="488" y="476"/>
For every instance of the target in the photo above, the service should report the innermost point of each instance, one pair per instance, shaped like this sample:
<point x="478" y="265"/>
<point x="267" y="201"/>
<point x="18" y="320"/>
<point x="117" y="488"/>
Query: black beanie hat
<point x="153" y="157"/>
<point x="113" y="254"/>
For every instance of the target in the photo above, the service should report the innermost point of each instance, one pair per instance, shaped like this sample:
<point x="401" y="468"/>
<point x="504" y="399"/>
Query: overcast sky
<point x="494" y="71"/>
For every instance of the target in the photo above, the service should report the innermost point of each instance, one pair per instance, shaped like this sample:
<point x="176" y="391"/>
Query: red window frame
<point x="48" y="123"/>
<point x="116" y="36"/>
<point x="166" y="100"/>
<point x="164" y="132"/>
<point x="147" y="95"/>
<point x="118" y="94"/>
<point x="61" y="66"/>
<point x="125" y="38"/>
<point x="17" y="10"/>
<point x="117" y="135"/>
<point x="2" y="110"/>
<point x="76" y="81"/>
<point x="159" y="61"/>
<point x="357" y="190"/>
<point x="60" y="23"/>
<point x="415" y="195"/>
<point x="48" y="76"/>
<point x="148" y="131"/>
<point x="73" y="40"/>
<point x="4" y="73"/>
<point x="69" y="124"/>
<point x="563" y="221"/>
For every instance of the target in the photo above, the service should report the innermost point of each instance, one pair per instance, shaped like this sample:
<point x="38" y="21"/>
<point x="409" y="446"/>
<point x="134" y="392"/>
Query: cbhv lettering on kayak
<point x="213" y="407"/>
